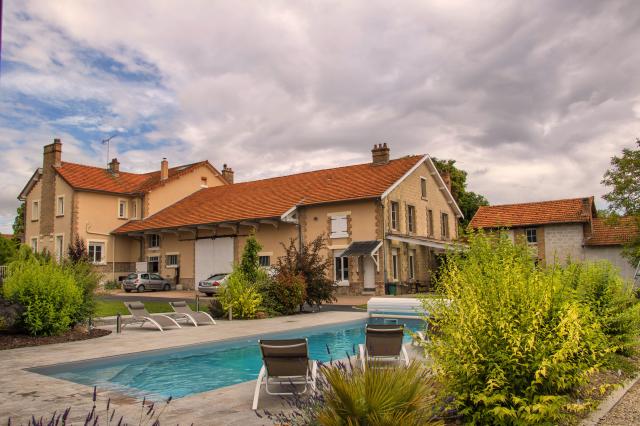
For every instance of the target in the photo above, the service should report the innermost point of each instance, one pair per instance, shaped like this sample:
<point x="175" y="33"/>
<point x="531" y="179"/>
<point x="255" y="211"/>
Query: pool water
<point x="188" y="370"/>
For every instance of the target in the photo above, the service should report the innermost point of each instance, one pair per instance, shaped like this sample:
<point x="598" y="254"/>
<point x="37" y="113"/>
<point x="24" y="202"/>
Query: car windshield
<point x="217" y="276"/>
<point x="132" y="276"/>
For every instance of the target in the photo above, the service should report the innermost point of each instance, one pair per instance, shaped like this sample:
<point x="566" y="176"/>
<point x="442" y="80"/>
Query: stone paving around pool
<point x="23" y="393"/>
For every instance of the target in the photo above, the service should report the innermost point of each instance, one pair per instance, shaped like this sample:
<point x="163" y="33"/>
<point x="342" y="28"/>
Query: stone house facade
<point x="562" y="231"/>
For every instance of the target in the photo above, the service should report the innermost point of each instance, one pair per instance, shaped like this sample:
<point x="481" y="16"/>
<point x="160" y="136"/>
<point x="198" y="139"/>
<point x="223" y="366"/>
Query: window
<point x="153" y="265"/>
<point x="59" y="247"/>
<point x="265" y="261"/>
<point x="35" y="210"/>
<point x="134" y="209"/>
<point x="203" y="182"/>
<point x="412" y="264"/>
<point x="96" y="252"/>
<point x="411" y="218"/>
<point x="34" y="244"/>
<point x="395" y="207"/>
<point x="122" y="209"/>
<point x="394" y="264"/>
<point x="60" y="206"/>
<point x="342" y="269"/>
<point x="532" y="235"/>
<point x="172" y="260"/>
<point x="423" y="187"/>
<point x="339" y="227"/>
<point x="445" y="226"/>
<point x="154" y="241"/>
<point x="430" y="222"/>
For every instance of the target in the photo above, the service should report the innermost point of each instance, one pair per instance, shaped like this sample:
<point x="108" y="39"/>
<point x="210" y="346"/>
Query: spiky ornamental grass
<point x="149" y="415"/>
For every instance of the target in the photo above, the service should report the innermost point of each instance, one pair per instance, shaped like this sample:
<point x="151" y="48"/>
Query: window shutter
<point x="339" y="227"/>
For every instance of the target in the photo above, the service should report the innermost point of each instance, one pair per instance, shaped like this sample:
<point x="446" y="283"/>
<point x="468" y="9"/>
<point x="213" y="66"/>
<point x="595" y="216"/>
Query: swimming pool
<point x="188" y="370"/>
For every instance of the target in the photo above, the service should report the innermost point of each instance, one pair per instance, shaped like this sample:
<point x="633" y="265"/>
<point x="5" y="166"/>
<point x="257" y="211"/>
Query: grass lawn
<point x="108" y="308"/>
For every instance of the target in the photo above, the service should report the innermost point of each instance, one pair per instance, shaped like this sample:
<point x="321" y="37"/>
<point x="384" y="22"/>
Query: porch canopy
<point x="362" y="248"/>
<point x="420" y="241"/>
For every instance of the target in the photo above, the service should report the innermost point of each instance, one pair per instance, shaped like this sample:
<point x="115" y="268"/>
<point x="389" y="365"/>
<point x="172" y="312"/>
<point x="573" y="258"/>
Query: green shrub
<point x="513" y="342"/>
<point x="377" y="396"/>
<point x="215" y="309"/>
<point x="112" y="285"/>
<point x="284" y="294"/>
<point x="49" y="293"/>
<point x="87" y="280"/>
<point x="599" y="286"/>
<point x="241" y="295"/>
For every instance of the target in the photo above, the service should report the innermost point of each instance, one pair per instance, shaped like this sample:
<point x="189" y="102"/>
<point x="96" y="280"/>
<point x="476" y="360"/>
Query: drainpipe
<point x="384" y="244"/>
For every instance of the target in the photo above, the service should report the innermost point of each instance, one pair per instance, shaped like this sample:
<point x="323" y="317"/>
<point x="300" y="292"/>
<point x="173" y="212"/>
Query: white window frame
<point x="122" y="214"/>
<point x="34" y="244"/>
<point x="423" y="187"/>
<point x="204" y="182"/>
<point x="412" y="264"/>
<point x="261" y="257"/>
<point x="395" y="264"/>
<point x="340" y="279"/>
<point x="134" y="209"/>
<point x="149" y="260"/>
<point x="534" y="233"/>
<point x="103" y="252"/>
<point x="59" y="255"/>
<point x="339" y="225"/>
<point x="59" y="211"/>
<point x="171" y="264"/>
<point x="35" y="211"/>
<point x="154" y="247"/>
<point x="411" y="219"/>
<point x="395" y="216"/>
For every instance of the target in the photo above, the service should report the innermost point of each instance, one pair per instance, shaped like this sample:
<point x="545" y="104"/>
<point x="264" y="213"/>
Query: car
<point x="142" y="281"/>
<point x="212" y="285"/>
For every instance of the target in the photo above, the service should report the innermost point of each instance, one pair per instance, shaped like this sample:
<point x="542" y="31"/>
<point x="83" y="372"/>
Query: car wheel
<point x="167" y="287"/>
<point x="127" y="290"/>
<point x="140" y="289"/>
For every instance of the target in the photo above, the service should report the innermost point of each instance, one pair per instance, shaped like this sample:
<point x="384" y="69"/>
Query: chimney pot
<point x="114" y="166"/>
<point x="164" y="169"/>
<point x="227" y="173"/>
<point x="53" y="154"/>
<point x="380" y="153"/>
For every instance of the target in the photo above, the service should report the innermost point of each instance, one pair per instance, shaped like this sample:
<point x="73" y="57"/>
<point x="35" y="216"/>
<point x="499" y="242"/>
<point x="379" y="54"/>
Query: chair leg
<point x="154" y="323"/>
<point x="314" y="375"/>
<point x="405" y="355"/>
<point x="363" y="355"/>
<point x="256" y="393"/>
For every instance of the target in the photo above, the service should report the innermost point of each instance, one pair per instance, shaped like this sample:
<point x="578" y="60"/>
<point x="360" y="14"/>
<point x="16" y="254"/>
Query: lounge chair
<point x="140" y="314"/>
<point x="383" y="343"/>
<point x="285" y="362"/>
<point x="196" y="318"/>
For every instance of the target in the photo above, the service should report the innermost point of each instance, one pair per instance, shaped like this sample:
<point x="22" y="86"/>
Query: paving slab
<point x="23" y="393"/>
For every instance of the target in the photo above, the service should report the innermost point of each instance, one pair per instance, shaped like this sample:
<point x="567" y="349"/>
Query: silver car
<point x="213" y="284"/>
<point x="145" y="281"/>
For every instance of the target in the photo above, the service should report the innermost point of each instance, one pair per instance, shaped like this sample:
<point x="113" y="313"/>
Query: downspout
<point x="384" y="244"/>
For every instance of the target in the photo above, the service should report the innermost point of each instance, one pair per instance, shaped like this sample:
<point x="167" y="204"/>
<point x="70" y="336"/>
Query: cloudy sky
<point x="531" y="98"/>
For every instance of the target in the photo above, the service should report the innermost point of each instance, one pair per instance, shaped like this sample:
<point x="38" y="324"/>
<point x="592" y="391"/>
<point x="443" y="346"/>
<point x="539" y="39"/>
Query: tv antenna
<point x="107" y="142"/>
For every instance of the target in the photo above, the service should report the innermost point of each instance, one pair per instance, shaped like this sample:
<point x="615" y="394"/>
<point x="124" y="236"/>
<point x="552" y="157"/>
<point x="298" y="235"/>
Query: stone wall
<point x="563" y="242"/>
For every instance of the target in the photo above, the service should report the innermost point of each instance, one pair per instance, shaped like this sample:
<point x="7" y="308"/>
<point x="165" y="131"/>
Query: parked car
<point x="145" y="281"/>
<point x="212" y="285"/>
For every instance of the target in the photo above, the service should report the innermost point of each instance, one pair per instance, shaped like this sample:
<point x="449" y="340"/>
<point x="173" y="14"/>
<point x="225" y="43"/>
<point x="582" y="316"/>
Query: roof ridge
<point x="537" y="202"/>
<point x="134" y="173"/>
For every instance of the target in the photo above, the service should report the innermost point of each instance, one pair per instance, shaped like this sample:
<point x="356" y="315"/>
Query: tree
<point x="468" y="201"/>
<point x="8" y="249"/>
<point x="77" y="251"/>
<point x="308" y="262"/>
<point x="250" y="262"/>
<point x="18" y="222"/>
<point x="624" y="198"/>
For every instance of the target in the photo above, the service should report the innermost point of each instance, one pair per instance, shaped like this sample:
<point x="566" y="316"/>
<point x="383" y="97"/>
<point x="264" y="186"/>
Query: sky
<point x="532" y="99"/>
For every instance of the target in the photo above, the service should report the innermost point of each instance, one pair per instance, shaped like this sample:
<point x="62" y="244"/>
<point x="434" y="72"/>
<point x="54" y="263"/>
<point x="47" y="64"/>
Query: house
<point x="562" y="230"/>
<point x="385" y="222"/>
<point x="66" y="200"/>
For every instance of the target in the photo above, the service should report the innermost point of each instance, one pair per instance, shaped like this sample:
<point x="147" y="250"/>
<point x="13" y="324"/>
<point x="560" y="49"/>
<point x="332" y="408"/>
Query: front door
<point x="369" y="273"/>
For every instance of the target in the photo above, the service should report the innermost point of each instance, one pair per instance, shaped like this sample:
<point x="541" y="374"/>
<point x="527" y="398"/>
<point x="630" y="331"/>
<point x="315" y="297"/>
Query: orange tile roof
<point x="92" y="178"/>
<point x="618" y="232"/>
<point x="574" y="210"/>
<point x="269" y="198"/>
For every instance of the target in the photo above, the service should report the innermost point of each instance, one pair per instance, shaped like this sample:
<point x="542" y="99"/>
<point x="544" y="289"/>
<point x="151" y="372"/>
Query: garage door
<point x="213" y="256"/>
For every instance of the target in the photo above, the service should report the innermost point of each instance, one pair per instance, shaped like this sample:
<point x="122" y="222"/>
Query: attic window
<point x="203" y="182"/>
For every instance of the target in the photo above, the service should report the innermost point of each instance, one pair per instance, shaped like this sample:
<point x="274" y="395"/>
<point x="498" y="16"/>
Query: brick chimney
<point x="227" y="173"/>
<point x="446" y="177"/>
<point x="51" y="158"/>
<point x="114" y="167"/>
<point x="164" y="169"/>
<point x="380" y="153"/>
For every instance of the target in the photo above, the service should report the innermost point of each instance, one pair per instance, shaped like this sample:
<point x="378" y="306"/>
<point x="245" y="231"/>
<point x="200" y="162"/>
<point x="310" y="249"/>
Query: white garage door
<point x="213" y="256"/>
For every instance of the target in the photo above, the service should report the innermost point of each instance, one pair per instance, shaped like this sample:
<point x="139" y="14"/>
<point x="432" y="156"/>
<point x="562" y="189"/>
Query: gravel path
<point x="627" y="411"/>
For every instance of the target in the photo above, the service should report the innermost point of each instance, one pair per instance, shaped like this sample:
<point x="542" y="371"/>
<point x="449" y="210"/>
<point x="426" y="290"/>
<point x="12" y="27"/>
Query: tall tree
<point x="468" y="201"/>
<point x="250" y="262"/>
<point x="624" y="198"/>
<point x="18" y="223"/>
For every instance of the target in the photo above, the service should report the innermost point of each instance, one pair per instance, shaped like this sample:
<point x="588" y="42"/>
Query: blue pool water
<point x="192" y="369"/>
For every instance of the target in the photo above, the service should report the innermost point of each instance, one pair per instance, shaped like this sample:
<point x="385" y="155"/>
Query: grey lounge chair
<point x="383" y="343"/>
<point x="140" y="314"/>
<point x="285" y="362"/>
<point x="196" y="318"/>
